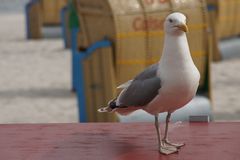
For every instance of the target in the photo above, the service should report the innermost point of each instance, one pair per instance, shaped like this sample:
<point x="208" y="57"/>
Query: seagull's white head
<point x="175" y="24"/>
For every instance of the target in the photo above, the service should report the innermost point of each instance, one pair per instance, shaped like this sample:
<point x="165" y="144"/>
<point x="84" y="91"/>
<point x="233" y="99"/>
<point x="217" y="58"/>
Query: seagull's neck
<point x="176" y="50"/>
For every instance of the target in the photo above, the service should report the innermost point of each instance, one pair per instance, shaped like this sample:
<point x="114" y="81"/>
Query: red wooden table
<point x="116" y="141"/>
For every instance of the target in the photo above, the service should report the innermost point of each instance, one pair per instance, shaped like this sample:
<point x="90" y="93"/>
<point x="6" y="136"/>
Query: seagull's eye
<point x="170" y="20"/>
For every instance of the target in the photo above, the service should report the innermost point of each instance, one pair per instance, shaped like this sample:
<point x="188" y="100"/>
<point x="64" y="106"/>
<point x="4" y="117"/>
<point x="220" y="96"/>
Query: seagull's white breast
<point x="179" y="86"/>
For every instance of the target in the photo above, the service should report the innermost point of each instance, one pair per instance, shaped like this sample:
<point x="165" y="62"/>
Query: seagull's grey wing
<point x="142" y="89"/>
<point x="125" y="85"/>
<point x="149" y="72"/>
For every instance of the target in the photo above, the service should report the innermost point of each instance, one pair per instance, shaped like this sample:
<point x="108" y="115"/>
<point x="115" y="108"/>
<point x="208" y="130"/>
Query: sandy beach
<point x="226" y="89"/>
<point x="35" y="79"/>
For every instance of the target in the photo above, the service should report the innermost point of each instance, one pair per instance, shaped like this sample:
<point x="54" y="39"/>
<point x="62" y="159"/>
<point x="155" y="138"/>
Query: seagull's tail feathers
<point x="111" y="106"/>
<point x="121" y="111"/>
<point x="104" y="109"/>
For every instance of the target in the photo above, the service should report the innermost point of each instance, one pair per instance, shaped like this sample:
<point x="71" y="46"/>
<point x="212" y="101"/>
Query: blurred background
<point x="60" y="60"/>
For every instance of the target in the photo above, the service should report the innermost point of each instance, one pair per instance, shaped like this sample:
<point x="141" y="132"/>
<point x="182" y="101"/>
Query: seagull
<point x="165" y="86"/>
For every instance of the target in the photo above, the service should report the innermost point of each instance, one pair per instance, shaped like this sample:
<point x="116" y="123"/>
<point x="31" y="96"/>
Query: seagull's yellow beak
<point x="183" y="27"/>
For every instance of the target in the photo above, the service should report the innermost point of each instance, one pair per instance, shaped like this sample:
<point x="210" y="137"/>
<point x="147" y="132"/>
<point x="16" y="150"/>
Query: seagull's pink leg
<point x="163" y="148"/>
<point x="165" y="140"/>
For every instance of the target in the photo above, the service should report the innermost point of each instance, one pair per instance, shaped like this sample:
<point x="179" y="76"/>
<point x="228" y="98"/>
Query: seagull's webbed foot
<point x="165" y="139"/>
<point x="163" y="147"/>
<point x="168" y="149"/>
<point x="176" y="145"/>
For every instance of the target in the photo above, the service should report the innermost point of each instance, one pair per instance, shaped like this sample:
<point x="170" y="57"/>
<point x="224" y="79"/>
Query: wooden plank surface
<point x="117" y="141"/>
